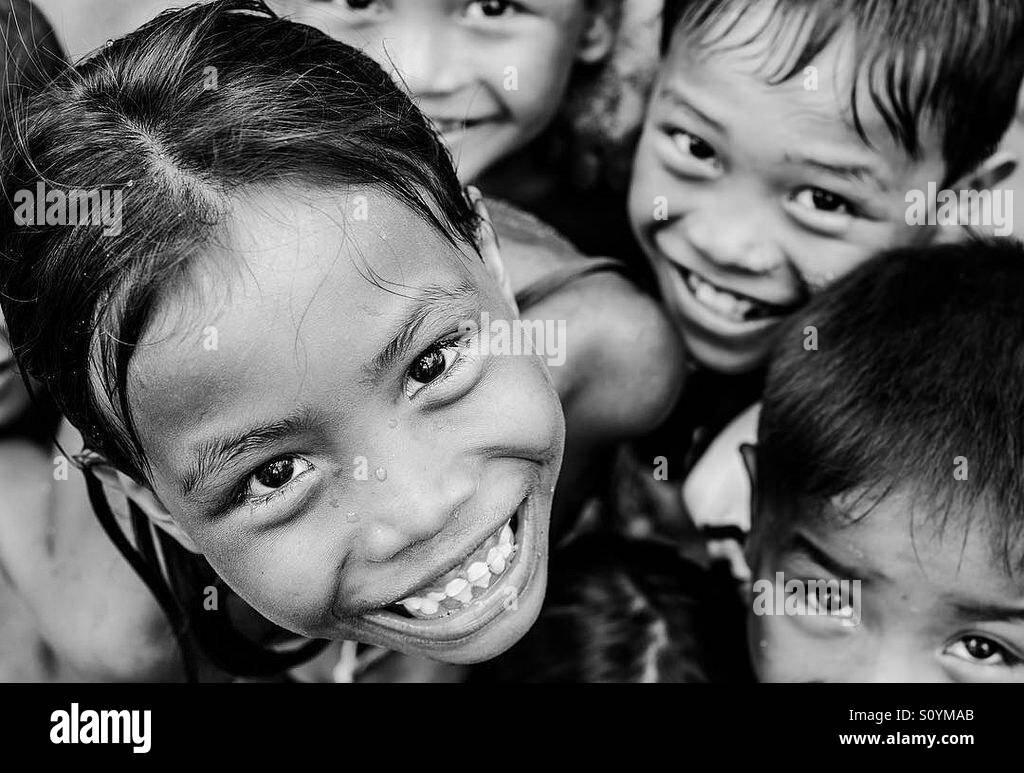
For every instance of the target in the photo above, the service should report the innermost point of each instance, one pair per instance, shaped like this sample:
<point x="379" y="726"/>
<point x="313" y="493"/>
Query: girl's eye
<point x="491" y="8"/>
<point x="274" y="476"/>
<point x="697" y="148"/>
<point x="361" y="5"/>
<point x="434" y="363"/>
<point x="982" y="651"/>
<point x="821" y="200"/>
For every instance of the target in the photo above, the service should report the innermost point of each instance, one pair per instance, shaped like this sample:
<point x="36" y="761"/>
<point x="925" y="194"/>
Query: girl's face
<point x="490" y="74"/>
<point x="322" y="432"/>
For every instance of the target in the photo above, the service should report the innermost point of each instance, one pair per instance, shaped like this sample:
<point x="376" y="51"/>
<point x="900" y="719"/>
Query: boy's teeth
<point x="722" y="301"/>
<point x="456" y="588"/>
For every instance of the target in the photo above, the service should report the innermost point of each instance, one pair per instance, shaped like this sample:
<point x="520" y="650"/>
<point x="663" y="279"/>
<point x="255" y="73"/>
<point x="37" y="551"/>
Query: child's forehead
<point x="764" y="58"/>
<point x="908" y="537"/>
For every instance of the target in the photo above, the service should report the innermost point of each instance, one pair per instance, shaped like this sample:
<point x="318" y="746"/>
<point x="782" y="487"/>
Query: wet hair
<point x="916" y="376"/>
<point x="629" y="610"/>
<point x="194" y="109"/>
<point x="183" y="115"/>
<point x="953" y="62"/>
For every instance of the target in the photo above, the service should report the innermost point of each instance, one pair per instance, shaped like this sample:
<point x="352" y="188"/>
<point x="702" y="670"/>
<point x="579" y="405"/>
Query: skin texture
<point x="740" y="204"/>
<point x="454" y="57"/>
<point x="928" y="599"/>
<point x="321" y="552"/>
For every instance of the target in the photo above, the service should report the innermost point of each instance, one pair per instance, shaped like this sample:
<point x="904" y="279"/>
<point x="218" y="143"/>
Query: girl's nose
<point x="419" y="506"/>
<point x="427" y="61"/>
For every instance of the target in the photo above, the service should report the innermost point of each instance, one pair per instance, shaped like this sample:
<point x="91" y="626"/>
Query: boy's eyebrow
<point x="980" y="611"/>
<point x="863" y="173"/>
<point x="673" y="95"/>
<point x="419" y="311"/>
<point x="802" y="542"/>
<point x="210" y="456"/>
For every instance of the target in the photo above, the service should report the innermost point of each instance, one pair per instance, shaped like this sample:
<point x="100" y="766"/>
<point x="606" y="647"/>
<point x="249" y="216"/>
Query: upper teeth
<point x="456" y="589"/>
<point x="717" y="299"/>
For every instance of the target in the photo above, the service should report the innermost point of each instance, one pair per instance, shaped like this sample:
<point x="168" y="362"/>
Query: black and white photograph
<point x="512" y="341"/>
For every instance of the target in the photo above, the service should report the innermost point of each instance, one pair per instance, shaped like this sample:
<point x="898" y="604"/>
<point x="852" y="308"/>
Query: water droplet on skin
<point x="381" y="474"/>
<point x="352" y="518"/>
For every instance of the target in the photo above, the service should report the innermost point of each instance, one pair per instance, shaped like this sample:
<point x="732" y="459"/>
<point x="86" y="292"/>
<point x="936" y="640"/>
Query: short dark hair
<point x="32" y="53"/>
<point x="289" y="106"/>
<point x="619" y="609"/>
<point x="919" y="360"/>
<point x="970" y="52"/>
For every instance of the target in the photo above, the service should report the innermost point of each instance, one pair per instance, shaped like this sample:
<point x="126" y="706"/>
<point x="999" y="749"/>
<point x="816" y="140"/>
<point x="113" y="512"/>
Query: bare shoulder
<point x="530" y="248"/>
<point x="624" y="364"/>
<point x="628" y="362"/>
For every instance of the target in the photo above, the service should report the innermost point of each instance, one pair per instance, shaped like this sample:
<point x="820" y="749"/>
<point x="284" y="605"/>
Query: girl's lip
<point x="481" y="611"/>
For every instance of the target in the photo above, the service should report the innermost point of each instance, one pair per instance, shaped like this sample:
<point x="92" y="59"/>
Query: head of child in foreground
<point x="490" y="74"/>
<point x="891" y="456"/>
<point x="273" y="346"/>
<point x="629" y="610"/>
<point x="782" y="140"/>
<point x="31" y="55"/>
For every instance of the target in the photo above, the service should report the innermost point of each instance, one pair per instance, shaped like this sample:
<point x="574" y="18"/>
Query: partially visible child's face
<point x="490" y="74"/>
<point x="933" y="607"/>
<point x="746" y="196"/>
<point x="320" y="429"/>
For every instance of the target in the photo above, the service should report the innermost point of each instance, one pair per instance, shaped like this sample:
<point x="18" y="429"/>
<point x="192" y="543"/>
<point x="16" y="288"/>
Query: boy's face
<point x="746" y="196"/>
<point x="490" y="74"/>
<point x="322" y="432"/>
<point x="933" y="607"/>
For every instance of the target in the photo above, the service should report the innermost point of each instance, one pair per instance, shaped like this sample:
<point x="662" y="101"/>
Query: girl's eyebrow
<point x="212" y="456"/>
<point x="460" y="297"/>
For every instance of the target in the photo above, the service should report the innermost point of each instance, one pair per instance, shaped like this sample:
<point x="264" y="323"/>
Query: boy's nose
<point x="729" y="242"/>
<point x="419" y="505"/>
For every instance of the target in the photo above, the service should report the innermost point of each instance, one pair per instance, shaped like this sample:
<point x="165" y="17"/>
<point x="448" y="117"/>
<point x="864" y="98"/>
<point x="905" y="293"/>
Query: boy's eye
<point x="982" y="651"/>
<point x="490" y="8"/>
<point x="696" y="147"/>
<point x="274" y="476"/>
<point x="823" y="201"/>
<point x="432" y="364"/>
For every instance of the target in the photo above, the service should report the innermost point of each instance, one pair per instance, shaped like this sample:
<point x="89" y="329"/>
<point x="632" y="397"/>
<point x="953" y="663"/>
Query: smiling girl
<point x="266" y="366"/>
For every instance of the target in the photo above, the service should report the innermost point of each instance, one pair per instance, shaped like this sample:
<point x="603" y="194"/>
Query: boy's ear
<point x="748" y="452"/>
<point x="144" y="499"/>
<point x="490" y="249"/>
<point x="598" y="36"/>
